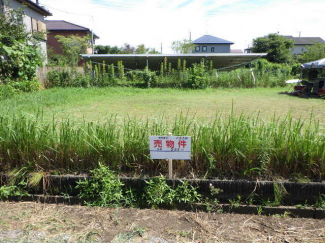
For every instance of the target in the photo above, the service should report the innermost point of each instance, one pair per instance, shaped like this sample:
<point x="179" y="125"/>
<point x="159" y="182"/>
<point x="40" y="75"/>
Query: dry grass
<point x="34" y="222"/>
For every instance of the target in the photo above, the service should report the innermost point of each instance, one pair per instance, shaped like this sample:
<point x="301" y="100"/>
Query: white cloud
<point x="152" y="22"/>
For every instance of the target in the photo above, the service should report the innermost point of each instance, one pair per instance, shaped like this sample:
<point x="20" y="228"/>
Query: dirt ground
<point x="35" y="222"/>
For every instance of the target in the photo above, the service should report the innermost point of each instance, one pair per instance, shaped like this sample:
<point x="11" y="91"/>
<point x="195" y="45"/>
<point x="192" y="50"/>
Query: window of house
<point x="212" y="49"/>
<point x="34" y="24"/>
<point x="204" y="48"/>
<point x="39" y="26"/>
<point x="197" y="48"/>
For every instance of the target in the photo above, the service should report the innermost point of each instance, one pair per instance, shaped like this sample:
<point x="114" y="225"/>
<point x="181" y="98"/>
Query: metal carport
<point x="140" y="61"/>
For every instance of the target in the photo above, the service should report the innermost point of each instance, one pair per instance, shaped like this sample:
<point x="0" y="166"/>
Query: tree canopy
<point x="126" y="49"/>
<point x="314" y="52"/>
<point x="72" y="46"/>
<point x="101" y="49"/>
<point x="277" y="47"/>
<point x="184" y="46"/>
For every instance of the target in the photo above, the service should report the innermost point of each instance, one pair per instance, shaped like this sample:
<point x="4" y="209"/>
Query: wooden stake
<point x="170" y="164"/>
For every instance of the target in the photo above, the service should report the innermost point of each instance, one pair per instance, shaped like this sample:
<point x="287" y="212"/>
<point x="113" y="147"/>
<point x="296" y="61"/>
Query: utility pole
<point x="92" y="36"/>
<point x="160" y="48"/>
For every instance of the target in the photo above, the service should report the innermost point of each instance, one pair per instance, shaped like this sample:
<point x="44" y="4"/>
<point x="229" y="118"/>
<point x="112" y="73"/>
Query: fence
<point x="42" y="72"/>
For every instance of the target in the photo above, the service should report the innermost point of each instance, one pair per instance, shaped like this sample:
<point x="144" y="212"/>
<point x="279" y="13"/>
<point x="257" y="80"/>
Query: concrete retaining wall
<point x="297" y="193"/>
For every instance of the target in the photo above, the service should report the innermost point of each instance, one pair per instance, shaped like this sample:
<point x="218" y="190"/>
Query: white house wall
<point x="299" y="49"/>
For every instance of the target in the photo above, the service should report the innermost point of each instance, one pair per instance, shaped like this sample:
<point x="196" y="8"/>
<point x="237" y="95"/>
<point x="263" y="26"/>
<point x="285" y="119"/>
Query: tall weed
<point x="238" y="146"/>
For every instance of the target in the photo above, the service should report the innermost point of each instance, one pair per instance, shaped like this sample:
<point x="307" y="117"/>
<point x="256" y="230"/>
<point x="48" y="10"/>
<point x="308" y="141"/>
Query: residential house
<point x="301" y="43"/>
<point x="248" y="50"/>
<point x="34" y="18"/>
<point x="64" y="28"/>
<point x="211" y="44"/>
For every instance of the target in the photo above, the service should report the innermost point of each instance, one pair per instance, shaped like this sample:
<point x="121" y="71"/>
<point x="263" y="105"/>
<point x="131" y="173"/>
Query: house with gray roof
<point x="211" y="44"/>
<point x="301" y="43"/>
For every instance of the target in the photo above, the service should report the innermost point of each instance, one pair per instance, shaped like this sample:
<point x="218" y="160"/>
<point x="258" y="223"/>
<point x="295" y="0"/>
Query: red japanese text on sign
<point x="158" y="143"/>
<point x="170" y="144"/>
<point x="181" y="143"/>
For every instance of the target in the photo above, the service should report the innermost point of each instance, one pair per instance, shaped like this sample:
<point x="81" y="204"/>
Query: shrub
<point x="158" y="193"/>
<point x="25" y="86"/>
<point x="102" y="189"/>
<point x="186" y="193"/>
<point x="198" y="77"/>
<point x="66" y="78"/>
<point x="18" y="49"/>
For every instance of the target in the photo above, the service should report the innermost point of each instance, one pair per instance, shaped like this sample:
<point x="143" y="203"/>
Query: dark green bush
<point x="103" y="189"/>
<point x="66" y="78"/>
<point x="198" y="78"/>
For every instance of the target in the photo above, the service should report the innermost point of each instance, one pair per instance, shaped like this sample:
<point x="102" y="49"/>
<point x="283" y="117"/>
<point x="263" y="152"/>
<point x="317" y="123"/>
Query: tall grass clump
<point x="236" y="147"/>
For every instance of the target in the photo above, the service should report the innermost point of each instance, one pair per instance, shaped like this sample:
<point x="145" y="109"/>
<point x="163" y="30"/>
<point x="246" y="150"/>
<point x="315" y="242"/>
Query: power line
<point x="115" y="6"/>
<point x="67" y="11"/>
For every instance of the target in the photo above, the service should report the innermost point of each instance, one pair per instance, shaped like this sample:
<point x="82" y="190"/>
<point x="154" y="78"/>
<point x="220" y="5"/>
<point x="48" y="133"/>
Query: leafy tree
<point x="72" y="46"/>
<point x="19" y="54"/>
<point x="153" y="51"/>
<point x="314" y="52"/>
<point x="128" y="49"/>
<point x="184" y="46"/>
<point x="278" y="48"/>
<point x="141" y="49"/>
<point x="100" y="49"/>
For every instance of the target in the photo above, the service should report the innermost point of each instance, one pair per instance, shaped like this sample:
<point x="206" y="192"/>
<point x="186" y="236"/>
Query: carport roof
<point x="140" y="61"/>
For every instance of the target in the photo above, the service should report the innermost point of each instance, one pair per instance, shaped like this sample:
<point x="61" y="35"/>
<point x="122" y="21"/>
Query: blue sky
<point x="156" y="22"/>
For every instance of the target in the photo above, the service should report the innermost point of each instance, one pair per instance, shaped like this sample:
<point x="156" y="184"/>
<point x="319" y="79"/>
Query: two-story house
<point x="34" y="18"/>
<point x="65" y="28"/>
<point x="211" y="44"/>
<point x="301" y="43"/>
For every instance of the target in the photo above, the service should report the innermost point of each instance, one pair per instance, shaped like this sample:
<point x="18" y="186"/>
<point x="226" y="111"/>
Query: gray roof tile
<point x="305" y="40"/>
<point x="63" y="25"/>
<point x="209" y="39"/>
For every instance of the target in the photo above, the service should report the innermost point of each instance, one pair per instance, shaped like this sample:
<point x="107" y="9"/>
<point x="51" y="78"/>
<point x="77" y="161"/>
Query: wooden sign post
<point x="170" y="164"/>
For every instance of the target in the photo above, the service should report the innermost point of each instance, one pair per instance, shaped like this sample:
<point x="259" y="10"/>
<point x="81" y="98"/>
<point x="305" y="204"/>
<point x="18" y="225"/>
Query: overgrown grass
<point x="238" y="146"/>
<point x="198" y="76"/>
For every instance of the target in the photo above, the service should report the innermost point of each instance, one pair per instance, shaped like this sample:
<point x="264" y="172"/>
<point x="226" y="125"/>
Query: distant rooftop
<point x="209" y="39"/>
<point x="304" y="40"/>
<point x="62" y="25"/>
<point x="236" y="51"/>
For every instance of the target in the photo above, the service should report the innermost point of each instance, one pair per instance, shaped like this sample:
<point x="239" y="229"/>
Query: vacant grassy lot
<point x="253" y="137"/>
<point x="96" y="104"/>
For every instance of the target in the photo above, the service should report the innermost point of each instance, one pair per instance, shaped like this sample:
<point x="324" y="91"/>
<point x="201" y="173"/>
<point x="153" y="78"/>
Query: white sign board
<point x="170" y="147"/>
